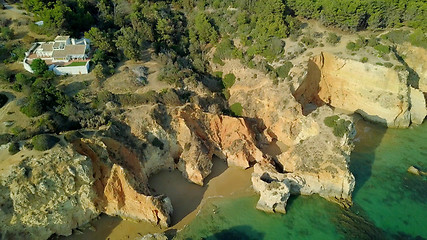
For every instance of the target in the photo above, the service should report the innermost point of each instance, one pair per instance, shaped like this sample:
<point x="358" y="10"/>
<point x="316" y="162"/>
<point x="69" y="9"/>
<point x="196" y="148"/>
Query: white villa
<point x="64" y="55"/>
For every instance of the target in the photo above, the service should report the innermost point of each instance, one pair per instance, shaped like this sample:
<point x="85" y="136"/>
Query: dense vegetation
<point x="362" y="14"/>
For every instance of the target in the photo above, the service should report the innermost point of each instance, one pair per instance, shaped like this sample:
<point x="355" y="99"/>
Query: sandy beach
<point x="187" y="200"/>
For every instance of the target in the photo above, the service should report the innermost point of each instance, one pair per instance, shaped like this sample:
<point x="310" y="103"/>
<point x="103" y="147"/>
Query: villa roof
<point x="47" y="47"/>
<point x="62" y="38"/>
<point x="69" y="50"/>
<point x="57" y="44"/>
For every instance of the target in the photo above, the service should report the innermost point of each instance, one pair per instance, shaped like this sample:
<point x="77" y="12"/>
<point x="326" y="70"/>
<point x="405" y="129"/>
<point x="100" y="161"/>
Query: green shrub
<point x="5" y="74"/>
<point x="418" y="38"/>
<point x="364" y="59"/>
<point x="399" y="68"/>
<point x="226" y="94"/>
<point x="352" y="46"/>
<point x="217" y="60"/>
<point x="13" y="148"/>
<point x="39" y="66"/>
<point x="383" y="49"/>
<point x="397" y="36"/>
<point x="6" y="33"/>
<point x="33" y="108"/>
<point x="218" y="74"/>
<point x="283" y="70"/>
<point x="44" y="142"/>
<point x="309" y="42"/>
<point x="388" y="64"/>
<point x="129" y="99"/>
<point x="340" y="126"/>
<point x="236" y="109"/>
<point x="5" y="138"/>
<point x="17" y="130"/>
<point x="229" y="80"/>
<point x="224" y="49"/>
<point x="333" y="38"/>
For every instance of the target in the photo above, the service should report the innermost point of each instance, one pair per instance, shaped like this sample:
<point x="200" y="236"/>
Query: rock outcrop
<point x="124" y="200"/>
<point x="274" y="191"/>
<point x="416" y="171"/>
<point x="46" y="195"/>
<point x="416" y="58"/>
<point x="306" y="156"/>
<point x="201" y="135"/>
<point x="121" y="184"/>
<point x="378" y="93"/>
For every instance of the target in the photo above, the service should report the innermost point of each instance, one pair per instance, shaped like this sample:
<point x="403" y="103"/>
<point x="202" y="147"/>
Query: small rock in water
<point x="414" y="170"/>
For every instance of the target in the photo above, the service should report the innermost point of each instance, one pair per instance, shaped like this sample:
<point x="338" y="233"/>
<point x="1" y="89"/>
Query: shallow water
<point x="389" y="203"/>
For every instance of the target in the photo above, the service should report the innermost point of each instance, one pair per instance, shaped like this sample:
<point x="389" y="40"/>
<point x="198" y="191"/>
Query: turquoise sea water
<point x="389" y="203"/>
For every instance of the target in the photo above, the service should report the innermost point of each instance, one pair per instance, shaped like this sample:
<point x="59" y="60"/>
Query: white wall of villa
<point x="62" y="50"/>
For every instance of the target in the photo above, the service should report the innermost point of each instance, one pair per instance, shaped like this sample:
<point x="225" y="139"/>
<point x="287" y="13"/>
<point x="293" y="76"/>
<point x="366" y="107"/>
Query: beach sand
<point x="187" y="199"/>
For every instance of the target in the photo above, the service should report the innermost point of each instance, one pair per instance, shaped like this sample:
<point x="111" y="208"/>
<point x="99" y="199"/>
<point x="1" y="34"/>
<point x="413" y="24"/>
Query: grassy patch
<point x="75" y="64"/>
<point x="237" y="109"/>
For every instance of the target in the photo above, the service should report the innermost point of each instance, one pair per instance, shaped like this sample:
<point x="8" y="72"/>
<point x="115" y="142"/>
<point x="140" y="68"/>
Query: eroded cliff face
<point x="121" y="184"/>
<point x="304" y="156"/>
<point x="378" y="93"/>
<point x="201" y="135"/>
<point x="416" y="58"/>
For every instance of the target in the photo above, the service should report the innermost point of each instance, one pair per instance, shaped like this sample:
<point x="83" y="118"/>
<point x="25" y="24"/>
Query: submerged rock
<point x="416" y="171"/>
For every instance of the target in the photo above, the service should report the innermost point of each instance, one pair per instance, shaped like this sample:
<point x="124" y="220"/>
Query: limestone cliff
<point x="121" y="184"/>
<point x="378" y="93"/>
<point x="416" y="58"/>
<point x="301" y="149"/>
<point x="46" y="195"/>
<point x="201" y="135"/>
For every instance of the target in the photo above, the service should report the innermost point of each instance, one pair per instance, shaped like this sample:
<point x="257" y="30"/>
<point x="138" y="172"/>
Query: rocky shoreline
<point x="292" y="152"/>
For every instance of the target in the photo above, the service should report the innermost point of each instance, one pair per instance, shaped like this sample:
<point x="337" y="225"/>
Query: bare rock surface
<point x="47" y="195"/>
<point x="378" y="93"/>
<point x="306" y="156"/>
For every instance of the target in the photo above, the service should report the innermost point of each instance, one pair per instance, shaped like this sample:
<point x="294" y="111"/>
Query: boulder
<point x="273" y="190"/>
<point x="418" y="106"/>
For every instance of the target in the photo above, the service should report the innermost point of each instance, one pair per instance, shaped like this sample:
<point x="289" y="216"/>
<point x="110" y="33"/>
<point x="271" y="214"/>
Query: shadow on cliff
<point x="367" y="139"/>
<point x="413" y="77"/>
<point x="237" y="232"/>
<point x="307" y="94"/>
<point x="103" y="228"/>
<point x="185" y="196"/>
